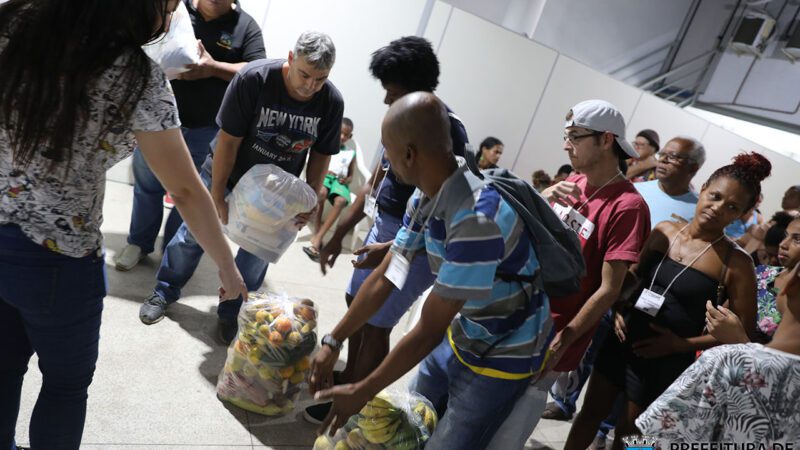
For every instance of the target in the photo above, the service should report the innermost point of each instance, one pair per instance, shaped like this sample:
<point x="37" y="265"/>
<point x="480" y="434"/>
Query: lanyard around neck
<point x="685" y="268"/>
<point x="598" y="190"/>
<point x="427" y="220"/>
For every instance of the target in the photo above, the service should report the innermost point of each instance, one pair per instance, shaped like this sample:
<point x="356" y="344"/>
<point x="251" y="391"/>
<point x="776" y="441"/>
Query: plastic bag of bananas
<point x="268" y="362"/>
<point x="393" y="420"/>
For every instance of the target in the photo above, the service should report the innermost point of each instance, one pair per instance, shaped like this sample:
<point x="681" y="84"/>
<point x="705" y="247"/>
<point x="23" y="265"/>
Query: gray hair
<point x="697" y="153"/>
<point x="317" y="49"/>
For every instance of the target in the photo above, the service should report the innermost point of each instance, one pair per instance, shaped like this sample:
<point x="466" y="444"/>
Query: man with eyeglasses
<point x="670" y="195"/>
<point x="612" y="221"/>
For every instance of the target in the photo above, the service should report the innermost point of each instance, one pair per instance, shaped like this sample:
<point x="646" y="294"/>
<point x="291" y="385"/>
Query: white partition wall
<point x="499" y="82"/>
<point x="492" y="91"/>
<point x="665" y="118"/>
<point x="570" y="83"/>
<point x="358" y="28"/>
<point x="723" y="145"/>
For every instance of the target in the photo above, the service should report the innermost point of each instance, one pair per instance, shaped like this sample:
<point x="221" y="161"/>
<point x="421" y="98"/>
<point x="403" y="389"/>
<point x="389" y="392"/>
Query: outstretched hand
<point x="348" y="399"/>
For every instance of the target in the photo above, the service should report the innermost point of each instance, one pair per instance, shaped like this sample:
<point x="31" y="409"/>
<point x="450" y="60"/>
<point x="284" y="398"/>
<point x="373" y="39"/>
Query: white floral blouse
<point x="732" y="393"/>
<point x="62" y="213"/>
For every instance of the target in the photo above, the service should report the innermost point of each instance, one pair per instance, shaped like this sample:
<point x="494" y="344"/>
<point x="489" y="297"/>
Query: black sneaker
<point x="226" y="331"/>
<point x="153" y="309"/>
<point x="316" y="414"/>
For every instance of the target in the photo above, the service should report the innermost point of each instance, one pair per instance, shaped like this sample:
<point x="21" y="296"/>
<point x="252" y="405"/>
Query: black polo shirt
<point x="232" y="38"/>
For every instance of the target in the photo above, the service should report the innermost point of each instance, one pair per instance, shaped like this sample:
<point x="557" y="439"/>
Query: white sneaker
<point x="128" y="258"/>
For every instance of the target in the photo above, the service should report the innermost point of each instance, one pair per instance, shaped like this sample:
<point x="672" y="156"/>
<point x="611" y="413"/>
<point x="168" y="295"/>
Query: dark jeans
<point x="148" y="194"/>
<point x="50" y="304"/>
<point x="182" y="255"/>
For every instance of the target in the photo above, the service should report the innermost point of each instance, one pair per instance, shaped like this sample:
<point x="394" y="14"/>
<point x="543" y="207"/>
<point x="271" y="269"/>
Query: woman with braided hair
<point x="659" y="331"/>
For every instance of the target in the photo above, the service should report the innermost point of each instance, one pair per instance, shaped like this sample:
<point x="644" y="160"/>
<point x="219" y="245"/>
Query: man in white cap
<point x="612" y="221"/>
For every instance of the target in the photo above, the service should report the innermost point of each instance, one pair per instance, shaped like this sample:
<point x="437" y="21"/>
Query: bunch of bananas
<point x="382" y="424"/>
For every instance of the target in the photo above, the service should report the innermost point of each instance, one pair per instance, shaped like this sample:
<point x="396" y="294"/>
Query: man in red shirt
<point x="612" y="221"/>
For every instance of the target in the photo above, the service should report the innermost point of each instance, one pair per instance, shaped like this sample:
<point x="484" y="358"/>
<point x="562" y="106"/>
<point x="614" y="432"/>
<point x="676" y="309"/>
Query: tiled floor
<point x="154" y="387"/>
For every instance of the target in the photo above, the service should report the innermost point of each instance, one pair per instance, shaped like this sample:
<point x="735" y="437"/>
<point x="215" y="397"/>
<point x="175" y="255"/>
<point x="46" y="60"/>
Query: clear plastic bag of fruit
<point x="268" y="362"/>
<point x="393" y="420"/>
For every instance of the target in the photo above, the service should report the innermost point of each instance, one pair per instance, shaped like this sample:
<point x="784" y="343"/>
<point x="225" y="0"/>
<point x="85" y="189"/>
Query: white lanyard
<point x="427" y="220"/>
<point x="399" y="266"/>
<point x="598" y="190"/>
<point x="655" y="274"/>
<point x="375" y="179"/>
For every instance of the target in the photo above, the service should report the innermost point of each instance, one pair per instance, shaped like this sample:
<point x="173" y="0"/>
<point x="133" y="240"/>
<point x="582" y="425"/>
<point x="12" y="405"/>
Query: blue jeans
<point x="148" y="209"/>
<point x="471" y="407"/>
<point x="182" y="255"/>
<point x="568" y="386"/>
<point x="50" y="304"/>
<point x="419" y="275"/>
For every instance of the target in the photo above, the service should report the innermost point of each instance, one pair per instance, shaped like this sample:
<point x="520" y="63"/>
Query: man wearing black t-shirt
<point x="279" y="112"/>
<point x="227" y="39"/>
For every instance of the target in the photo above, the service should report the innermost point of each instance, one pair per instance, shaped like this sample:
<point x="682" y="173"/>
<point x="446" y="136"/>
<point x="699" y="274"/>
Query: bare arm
<point x="370" y="297"/>
<point x="223" y="162"/>
<point x="316" y="169"/>
<point x="167" y="155"/>
<point x="208" y="67"/>
<point x="613" y="275"/>
<point x="640" y="167"/>
<point x="437" y="313"/>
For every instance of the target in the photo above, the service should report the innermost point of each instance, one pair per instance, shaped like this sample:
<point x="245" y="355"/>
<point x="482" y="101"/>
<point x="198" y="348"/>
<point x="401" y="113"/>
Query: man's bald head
<point x="418" y="120"/>
<point x="416" y="135"/>
<point x="791" y="199"/>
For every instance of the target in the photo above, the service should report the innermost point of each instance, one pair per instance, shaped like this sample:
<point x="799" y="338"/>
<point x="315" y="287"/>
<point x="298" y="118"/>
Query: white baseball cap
<point x="599" y="115"/>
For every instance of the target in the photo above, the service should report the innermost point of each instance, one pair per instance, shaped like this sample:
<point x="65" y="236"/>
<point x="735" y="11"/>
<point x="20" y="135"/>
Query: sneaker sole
<point x="121" y="268"/>
<point x="153" y="322"/>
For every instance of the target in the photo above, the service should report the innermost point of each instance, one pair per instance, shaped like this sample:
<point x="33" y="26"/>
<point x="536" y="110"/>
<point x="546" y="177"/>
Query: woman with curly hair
<point x="681" y="267"/>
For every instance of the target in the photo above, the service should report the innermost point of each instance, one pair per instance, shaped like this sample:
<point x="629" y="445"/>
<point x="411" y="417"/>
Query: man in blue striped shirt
<point x="482" y="338"/>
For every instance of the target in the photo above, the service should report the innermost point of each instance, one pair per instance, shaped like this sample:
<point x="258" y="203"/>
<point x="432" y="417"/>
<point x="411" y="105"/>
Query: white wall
<point x="471" y="85"/>
<point x="570" y="83"/>
<point x="497" y="81"/>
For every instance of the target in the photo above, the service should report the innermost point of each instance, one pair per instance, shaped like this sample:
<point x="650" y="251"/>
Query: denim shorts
<point x="419" y="278"/>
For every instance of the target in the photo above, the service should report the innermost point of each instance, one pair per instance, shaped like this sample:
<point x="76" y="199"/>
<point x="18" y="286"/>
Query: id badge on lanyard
<point x="574" y="220"/>
<point x="370" y="206"/>
<point x="397" y="272"/>
<point x="649" y="302"/>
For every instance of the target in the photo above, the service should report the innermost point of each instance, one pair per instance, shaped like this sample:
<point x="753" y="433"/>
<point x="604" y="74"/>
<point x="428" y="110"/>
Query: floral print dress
<point x="733" y="393"/>
<point x="768" y="316"/>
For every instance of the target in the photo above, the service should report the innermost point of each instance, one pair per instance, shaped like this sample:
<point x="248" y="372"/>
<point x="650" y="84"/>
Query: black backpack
<point x="557" y="247"/>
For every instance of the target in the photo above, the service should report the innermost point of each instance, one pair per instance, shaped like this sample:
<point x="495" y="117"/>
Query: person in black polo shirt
<point x="275" y="111"/>
<point x="228" y="38"/>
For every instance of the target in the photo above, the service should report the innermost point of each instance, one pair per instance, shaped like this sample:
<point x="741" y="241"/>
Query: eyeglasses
<point x="573" y="138"/>
<point x="672" y="158"/>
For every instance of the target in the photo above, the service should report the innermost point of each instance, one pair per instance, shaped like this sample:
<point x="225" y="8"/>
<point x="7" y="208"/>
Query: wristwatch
<point x="331" y="342"/>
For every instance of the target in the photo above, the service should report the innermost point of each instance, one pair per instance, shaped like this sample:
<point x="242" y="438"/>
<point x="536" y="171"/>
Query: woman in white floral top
<point x="75" y="91"/>
<point x="743" y="392"/>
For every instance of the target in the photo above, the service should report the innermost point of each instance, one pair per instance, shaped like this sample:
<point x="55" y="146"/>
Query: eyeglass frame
<point x="671" y="158"/>
<point x="573" y="139"/>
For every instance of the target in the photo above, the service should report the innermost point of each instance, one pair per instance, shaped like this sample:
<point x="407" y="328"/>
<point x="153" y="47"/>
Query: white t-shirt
<point x="62" y="213"/>
<point x="340" y="162"/>
<point x="732" y="393"/>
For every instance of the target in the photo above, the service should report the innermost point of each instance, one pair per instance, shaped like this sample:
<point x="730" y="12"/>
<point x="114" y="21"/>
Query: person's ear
<point x="290" y="58"/>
